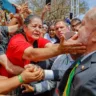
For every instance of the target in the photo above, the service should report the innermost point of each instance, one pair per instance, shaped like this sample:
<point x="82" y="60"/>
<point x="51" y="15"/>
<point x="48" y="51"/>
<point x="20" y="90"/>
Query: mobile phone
<point x="48" y="2"/>
<point x="68" y="35"/>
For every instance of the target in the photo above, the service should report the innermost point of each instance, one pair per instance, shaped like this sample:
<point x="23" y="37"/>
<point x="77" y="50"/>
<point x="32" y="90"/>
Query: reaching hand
<point x="71" y="46"/>
<point x="28" y="88"/>
<point x="24" y="8"/>
<point x="35" y="68"/>
<point x="19" y="19"/>
<point x="46" y="8"/>
<point x="29" y="75"/>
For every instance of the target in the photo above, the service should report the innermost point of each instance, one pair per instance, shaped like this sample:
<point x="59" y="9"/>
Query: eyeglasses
<point x="76" y="24"/>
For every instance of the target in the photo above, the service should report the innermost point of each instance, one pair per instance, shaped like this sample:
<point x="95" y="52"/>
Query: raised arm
<point x="46" y="8"/>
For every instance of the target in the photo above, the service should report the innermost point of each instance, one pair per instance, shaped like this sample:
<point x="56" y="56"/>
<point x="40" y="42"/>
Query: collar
<point x="86" y="56"/>
<point x="86" y="62"/>
<point x="70" y="58"/>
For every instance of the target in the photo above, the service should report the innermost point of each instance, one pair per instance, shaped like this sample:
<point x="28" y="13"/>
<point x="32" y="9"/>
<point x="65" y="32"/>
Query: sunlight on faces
<point x="84" y="31"/>
<point x="60" y="29"/>
<point x="34" y="29"/>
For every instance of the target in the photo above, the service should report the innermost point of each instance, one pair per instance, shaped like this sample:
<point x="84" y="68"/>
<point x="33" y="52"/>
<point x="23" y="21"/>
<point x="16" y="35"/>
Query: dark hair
<point x="58" y="20"/>
<point x="29" y="18"/>
<point x="26" y="22"/>
<point x="51" y="25"/>
<point x="74" y="20"/>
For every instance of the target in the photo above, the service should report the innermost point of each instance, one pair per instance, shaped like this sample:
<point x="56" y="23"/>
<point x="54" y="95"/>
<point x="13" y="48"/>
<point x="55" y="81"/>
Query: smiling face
<point x="34" y="29"/>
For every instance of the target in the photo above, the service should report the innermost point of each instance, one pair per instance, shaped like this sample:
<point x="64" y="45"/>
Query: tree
<point x="60" y="9"/>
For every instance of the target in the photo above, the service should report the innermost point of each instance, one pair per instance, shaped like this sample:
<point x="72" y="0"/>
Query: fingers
<point x="77" y="51"/>
<point x="31" y="69"/>
<point x="28" y="88"/>
<point x="78" y="45"/>
<point x="38" y="75"/>
<point x="29" y="66"/>
<point x="48" y="4"/>
<point x="19" y="18"/>
<point x="74" y="37"/>
<point x="62" y="40"/>
<point x="31" y="75"/>
<point x="37" y="72"/>
<point x="33" y="66"/>
<point x="75" y="47"/>
<point x="71" y="46"/>
<point x="74" y="50"/>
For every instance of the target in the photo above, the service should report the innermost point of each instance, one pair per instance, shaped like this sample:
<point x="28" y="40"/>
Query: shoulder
<point x="17" y="40"/>
<point x="17" y="37"/>
<point x="43" y="39"/>
<point x="42" y="42"/>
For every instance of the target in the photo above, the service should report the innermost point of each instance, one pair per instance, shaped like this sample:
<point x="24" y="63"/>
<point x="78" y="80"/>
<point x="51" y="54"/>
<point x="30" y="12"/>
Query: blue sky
<point x="91" y="3"/>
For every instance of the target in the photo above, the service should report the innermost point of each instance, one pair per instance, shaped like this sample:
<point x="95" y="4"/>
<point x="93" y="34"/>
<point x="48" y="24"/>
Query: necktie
<point x="69" y="81"/>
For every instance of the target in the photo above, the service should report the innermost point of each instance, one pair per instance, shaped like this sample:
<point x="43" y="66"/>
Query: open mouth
<point x="36" y="34"/>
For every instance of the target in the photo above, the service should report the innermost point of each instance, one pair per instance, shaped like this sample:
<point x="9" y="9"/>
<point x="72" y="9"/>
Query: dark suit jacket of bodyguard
<point x="84" y="81"/>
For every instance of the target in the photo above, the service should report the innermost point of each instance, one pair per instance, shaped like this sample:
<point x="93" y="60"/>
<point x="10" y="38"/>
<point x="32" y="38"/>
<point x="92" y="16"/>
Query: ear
<point x="25" y="27"/>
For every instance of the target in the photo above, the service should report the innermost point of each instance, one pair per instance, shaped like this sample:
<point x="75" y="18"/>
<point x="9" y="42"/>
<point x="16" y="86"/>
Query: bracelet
<point x="20" y="79"/>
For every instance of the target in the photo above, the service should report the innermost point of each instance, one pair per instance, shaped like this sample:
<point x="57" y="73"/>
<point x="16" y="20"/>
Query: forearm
<point x="42" y="15"/>
<point x="13" y="69"/>
<point x="40" y="54"/>
<point x="13" y="28"/>
<point x="8" y="85"/>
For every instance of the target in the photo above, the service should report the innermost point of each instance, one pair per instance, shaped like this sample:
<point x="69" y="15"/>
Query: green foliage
<point x="59" y="8"/>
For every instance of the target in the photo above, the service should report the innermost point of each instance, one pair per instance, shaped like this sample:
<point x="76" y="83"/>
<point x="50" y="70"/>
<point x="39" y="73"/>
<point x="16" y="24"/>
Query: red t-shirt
<point x="15" y="51"/>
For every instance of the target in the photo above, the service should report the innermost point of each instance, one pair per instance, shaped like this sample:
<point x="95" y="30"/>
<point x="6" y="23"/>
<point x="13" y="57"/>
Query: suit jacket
<point x="84" y="81"/>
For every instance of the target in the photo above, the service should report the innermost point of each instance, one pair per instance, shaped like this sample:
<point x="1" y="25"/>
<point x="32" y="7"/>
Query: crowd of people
<point x="40" y="59"/>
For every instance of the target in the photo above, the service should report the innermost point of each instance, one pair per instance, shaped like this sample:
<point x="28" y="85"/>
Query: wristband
<point x="20" y="79"/>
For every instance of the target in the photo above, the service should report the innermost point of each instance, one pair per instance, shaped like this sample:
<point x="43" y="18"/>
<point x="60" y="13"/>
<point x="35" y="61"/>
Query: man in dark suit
<point x="80" y="78"/>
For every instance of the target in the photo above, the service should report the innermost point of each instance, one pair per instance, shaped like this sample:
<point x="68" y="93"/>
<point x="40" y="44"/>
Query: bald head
<point x="91" y="17"/>
<point x="88" y="27"/>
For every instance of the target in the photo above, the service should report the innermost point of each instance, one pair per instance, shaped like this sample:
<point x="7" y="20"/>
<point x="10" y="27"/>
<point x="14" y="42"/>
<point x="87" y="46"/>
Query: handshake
<point x="32" y="73"/>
